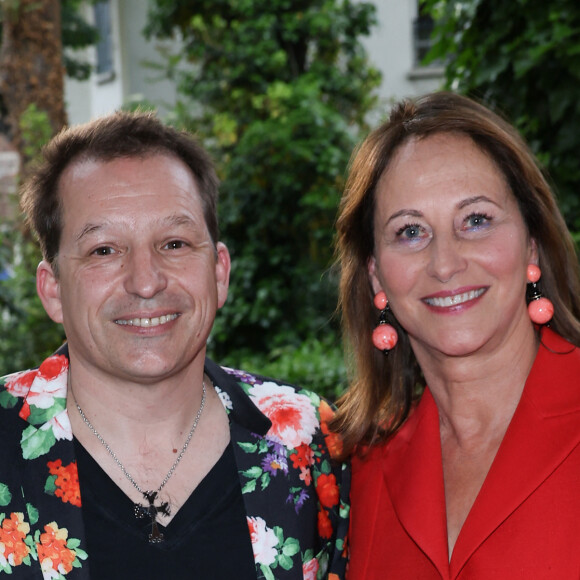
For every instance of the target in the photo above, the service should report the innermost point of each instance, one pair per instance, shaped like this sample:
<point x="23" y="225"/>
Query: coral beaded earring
<point x="385" y="337"/>
<point x="540" y="309"/>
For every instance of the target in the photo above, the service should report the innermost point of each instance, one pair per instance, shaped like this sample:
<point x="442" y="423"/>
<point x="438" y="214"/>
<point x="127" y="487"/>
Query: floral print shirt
<point x="296" y="496"/>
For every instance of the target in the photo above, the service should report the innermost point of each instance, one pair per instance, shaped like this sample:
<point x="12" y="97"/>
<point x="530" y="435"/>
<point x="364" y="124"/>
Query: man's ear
<point x="222" y="272"/>
<point x="48" y="289"/>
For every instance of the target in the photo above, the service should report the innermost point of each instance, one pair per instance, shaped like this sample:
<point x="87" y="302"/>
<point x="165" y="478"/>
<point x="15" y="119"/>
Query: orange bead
<point x="541" y="310"/>
<point x="380" y="300"/>
<point x="385" y="337"/>
<point x="534" y="273"/>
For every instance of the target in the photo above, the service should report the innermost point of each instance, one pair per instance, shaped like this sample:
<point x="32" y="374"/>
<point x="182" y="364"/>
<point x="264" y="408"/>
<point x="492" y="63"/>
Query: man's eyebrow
<point x="179" y="220"/>
<point x="172" y="220"/>
<point x="87" y="230"/>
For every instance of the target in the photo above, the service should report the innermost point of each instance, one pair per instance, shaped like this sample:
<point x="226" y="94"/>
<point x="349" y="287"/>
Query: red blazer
<point x="525" y="522"/>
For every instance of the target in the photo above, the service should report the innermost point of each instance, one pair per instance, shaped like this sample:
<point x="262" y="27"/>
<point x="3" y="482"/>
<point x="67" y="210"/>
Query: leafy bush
<point x="317" y="364"/>
<point x="278" y="91"/>
<point x="523" y="58"/>
<point x="27" y="335"/>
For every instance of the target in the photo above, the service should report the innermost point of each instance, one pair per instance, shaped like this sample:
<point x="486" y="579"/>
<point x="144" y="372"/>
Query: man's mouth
<point x="147" y="322"/>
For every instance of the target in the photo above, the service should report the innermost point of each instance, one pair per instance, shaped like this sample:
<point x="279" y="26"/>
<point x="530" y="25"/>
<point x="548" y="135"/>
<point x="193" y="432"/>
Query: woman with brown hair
<point x="463" y="415"/>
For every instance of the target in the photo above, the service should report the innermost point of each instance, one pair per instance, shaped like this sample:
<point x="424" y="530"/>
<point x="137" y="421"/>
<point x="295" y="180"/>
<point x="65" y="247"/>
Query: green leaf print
<point x="285" y="562"/>
<point x="268" y="574"/>
<point x="32" y="513"/>
<point x="7" y="400"/>
<point x="265" y="480"/>
<point x="248" y="447"/>
<point x="36" y="442"/>
<point x="50" y="485"/>
<point x="291" y="547"/>
<point x="249" y="487"/>
<point x="40" y="416"/>
<point x="5" y="495"/>
<point x="253" y="473"/>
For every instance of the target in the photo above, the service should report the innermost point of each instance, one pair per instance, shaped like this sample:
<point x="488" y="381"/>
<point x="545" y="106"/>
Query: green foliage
<point x="278" y="91"/>
<point x="35" y="131"/>
<point x="523" y="57"/>
<point x="77" y="34"/>
<point x="317" y="364"/>
<point x="26" y="333"/>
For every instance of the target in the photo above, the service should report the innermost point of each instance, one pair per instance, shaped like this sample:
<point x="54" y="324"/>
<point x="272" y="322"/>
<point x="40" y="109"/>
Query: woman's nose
<point x="446" y="258"/>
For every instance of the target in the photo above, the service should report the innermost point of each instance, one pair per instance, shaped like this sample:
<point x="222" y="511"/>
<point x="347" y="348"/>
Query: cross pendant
<point x="152" y="510"/>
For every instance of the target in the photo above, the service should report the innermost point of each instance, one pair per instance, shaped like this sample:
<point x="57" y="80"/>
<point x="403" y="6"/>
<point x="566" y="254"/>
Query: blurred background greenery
<point x="280" y="91"/>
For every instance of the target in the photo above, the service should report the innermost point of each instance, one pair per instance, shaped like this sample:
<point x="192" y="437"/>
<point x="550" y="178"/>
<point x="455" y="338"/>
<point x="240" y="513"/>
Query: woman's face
<point x="451" y="248"/>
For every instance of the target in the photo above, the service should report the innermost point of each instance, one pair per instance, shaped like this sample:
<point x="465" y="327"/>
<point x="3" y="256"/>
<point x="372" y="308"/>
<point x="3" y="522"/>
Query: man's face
<point x="139" y="281"/>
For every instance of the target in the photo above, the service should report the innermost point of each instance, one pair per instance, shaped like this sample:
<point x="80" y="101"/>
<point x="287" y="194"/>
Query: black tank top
<point x="207" y="538"/>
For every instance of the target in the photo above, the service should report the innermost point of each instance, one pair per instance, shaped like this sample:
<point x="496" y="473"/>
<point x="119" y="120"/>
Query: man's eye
<point x="175" y="245"/>
<point x="103" y="251"/>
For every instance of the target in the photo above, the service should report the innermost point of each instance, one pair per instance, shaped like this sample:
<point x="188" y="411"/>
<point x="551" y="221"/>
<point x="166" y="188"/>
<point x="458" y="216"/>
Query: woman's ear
<point x="373" y="275"/>
<point x="533" y="253"/>
<point x="48" y="290"/>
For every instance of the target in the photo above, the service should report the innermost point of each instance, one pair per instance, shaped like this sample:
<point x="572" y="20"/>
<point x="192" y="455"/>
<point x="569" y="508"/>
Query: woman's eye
<point x="477" y="220"/>
<point x="410" y="232"/>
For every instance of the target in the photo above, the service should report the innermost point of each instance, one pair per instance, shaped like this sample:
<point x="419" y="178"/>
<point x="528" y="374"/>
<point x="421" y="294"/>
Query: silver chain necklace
<point x="151" y="509"/>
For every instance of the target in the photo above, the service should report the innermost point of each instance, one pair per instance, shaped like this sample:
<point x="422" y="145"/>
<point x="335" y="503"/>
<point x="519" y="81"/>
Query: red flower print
<point x="293" y="417"/>
<point x="67" y="482"/>
<point x="50" y="383"/>
<point x="52" y="551"/>
<point x="264" y="541"/>
<point x="333" y="440"/>
<point x="310" y="569"/>
<point x="53" y="366"/>
<point x="19" y="384"/>
<point x="12" y="534"/>
<point x="324" y="525"/>
<point x="334" y="444"/>
<point x="302" y="457"/>
<point x="326" y="414"/>
<point x="305" y="475"/>
<point x="327" y="490"/>
<point x="25" y="411"/>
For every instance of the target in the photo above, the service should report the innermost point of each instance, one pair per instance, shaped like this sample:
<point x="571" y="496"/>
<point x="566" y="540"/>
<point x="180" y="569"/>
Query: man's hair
<point x="115" y="136"/>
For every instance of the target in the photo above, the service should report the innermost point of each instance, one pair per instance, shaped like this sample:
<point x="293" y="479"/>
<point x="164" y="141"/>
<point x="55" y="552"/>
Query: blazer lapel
<point x="544" y="430"/>
<point x="46" y="438"/>
<point x="414" y="478"/>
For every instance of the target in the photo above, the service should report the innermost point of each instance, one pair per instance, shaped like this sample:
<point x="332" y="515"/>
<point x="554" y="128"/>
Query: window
<point x="105" y="44"/>
<point x="422" y="29"/>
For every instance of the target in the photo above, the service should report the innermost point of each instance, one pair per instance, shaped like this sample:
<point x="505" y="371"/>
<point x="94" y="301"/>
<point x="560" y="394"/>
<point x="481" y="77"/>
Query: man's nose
<point x="144" y="273"/>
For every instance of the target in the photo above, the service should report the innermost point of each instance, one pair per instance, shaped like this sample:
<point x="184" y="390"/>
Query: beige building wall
<point x="390" y="48"/>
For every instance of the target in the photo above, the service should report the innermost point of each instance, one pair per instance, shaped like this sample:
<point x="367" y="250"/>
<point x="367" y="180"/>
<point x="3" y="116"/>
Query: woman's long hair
<point x="383" y="388"/>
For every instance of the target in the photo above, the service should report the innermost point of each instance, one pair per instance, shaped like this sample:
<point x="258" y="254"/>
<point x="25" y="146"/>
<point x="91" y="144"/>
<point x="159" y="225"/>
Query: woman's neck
<point x="477" y="394"/>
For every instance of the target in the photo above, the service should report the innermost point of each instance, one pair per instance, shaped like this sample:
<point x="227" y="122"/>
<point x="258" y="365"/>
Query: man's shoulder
<point x="19" y="383"/>
<point x="296" y="414"/>
<point x="258" y="387"/>
<point x="15" y="386"/>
